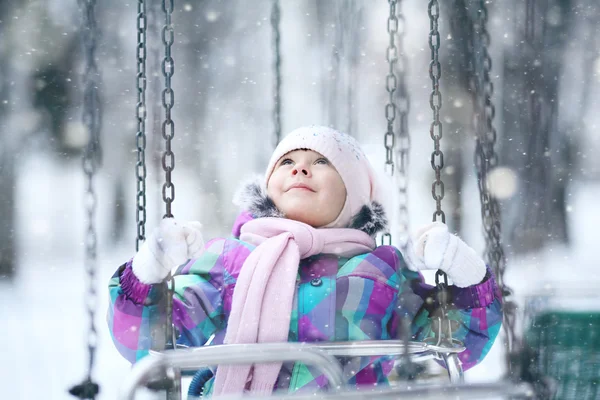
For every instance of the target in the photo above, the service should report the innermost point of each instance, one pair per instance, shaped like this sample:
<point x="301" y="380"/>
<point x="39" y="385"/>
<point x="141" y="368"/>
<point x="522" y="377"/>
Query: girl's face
<point x="307" y="188"/>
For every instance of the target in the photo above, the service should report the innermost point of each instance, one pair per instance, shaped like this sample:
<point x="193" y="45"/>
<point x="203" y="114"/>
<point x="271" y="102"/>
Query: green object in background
<point x="565" y="346"/>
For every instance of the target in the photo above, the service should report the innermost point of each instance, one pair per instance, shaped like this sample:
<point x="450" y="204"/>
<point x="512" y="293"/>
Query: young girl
<point x="302" y="266"/>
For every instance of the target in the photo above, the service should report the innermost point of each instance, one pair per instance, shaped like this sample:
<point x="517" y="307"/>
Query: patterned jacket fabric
<point x="337" y="299"/>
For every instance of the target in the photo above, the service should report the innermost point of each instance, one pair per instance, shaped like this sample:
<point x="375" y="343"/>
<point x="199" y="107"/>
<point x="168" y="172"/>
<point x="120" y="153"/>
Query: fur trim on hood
<point x="252" y="197"/>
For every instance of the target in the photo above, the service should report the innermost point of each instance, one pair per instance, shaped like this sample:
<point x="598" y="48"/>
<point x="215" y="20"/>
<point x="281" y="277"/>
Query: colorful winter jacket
<point x="338" y="299"/>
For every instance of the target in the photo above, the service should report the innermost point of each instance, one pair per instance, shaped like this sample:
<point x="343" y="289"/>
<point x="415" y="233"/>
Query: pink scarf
<point x="264" y="292"/>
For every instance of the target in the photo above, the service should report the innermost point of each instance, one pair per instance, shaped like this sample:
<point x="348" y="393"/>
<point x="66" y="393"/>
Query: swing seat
<point x="565" y="347"/>
<point x="154" y="368"/>
<point x="321" y="356"/>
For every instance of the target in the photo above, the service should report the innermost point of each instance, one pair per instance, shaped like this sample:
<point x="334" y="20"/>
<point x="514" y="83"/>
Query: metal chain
<point x="168" y="132"/>
<point x="486" y="160"/>
<point x="435" y="102"/>
<point x="141" y="113"/>
<point x="397" y="61"/>
<point x="486" y="137"/>
<point x="403" y="139"/>
<point x="442" y="298"/>
<point x="91" y="163"/>
<point x="437" y="157"/>
<point x="168" y="164"/>
<point x="389" y="139"/>
<point x="275" y="21"/>
<point x="407" y="369"/>
<point x="391" y="85"/>
<point x="91" y="118"/>
<point x="168" y="99"/>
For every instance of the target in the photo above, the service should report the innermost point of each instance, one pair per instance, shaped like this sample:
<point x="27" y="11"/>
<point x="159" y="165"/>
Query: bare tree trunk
<point x="338" y="26"/>
<point x="534" y="146"/>
<point x="7" y="162"/>
<point x="457" y="103"/>
<point x="7" y="206"/>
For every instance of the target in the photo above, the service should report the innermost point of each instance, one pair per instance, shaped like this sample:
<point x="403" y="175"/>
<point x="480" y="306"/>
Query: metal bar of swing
<point x="364" y="348"/>
<point x="503" y="389"/>
<point x="192" y="359"/>
<point x="321" y="355"/>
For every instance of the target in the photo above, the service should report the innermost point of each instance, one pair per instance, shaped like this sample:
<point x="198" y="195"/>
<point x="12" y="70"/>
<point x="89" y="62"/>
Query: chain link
<point x="391" y="85"/>
<point x="486" y="160"/>
<point x="441" y="283"/>
<point x="275" y="21"/>
<point x="168" y="99"/>
<point x="389" y="139"/>
<point x="435" y="102"/>
<point x="141" y="113"/>
<point x="168" y="164"/>
<point x="91" y="163"/>
<point x="386" y="239"/>
<point x="396" y="88"/>
<point x="403" y="139"/>
<point x="437" y="159"/>
<point x="91" y="119"/>
<point x="168" y="159"/>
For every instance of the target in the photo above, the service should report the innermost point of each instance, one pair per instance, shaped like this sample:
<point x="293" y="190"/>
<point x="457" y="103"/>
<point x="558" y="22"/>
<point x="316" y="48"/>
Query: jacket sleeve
<point x="475" y="312"/>
<point x="137" y="311"/>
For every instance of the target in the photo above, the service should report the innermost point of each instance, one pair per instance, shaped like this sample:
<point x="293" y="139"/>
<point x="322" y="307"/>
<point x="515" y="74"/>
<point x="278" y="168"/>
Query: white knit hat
<point x="345" y="154"/>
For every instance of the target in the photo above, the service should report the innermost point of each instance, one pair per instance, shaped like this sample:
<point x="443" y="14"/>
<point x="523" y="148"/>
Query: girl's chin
<point x="301" y="216"/>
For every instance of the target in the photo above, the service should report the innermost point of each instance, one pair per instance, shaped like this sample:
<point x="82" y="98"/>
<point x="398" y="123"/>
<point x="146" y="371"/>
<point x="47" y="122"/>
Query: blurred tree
<point x="52" y="98"/>
<point x="533" y="145"/>
<point x="7" y="152"/>
<point x="338" y="24"/>
<point x="457" y="106"/>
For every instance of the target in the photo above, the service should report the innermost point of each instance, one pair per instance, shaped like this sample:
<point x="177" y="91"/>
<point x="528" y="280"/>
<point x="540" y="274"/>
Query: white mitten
<point x="171" y="244"/>
<point x="436" y="248"/>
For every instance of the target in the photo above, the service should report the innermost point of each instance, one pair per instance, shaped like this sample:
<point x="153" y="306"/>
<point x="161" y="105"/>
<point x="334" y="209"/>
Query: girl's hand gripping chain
<point x="171" y="244"/>
<point x="435" y="248"/>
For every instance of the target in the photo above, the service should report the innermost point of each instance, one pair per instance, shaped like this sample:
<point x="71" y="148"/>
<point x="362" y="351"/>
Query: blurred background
<point x="545" y="68"/>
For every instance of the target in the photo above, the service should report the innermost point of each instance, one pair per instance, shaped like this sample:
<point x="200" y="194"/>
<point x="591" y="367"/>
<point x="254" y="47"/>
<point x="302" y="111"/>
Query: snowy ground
<point x="42" y="347"/>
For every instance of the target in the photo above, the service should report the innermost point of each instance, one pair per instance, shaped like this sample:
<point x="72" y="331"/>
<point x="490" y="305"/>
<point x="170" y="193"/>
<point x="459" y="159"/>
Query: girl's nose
<point x="301" y="169"/>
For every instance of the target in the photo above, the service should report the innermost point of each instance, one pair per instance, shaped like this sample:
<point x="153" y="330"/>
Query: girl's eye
<point x="286" y="161"/>
<point x="322" y="161"/>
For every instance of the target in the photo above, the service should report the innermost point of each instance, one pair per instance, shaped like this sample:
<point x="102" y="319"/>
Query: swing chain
<point x="275" y="21"/>
<point x="445" y="331"/>
<point x="403" y="148"/>
<point x="437" y="161"/>
<point x="91" y="161"/>
<point x="391" y="85"/>
<point x="91" y="100"/>
<point x="386" y="239"/>
<point x="485" y="160"/>
<point x="396" y="26"/>
<point x="435" y="102"/>
<point x="168" y="164"/>
<point x="168" y="99"/>
<point x="141" y="113"/>
<point x="91" y="119"/>
<point x="168" y="130"/>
